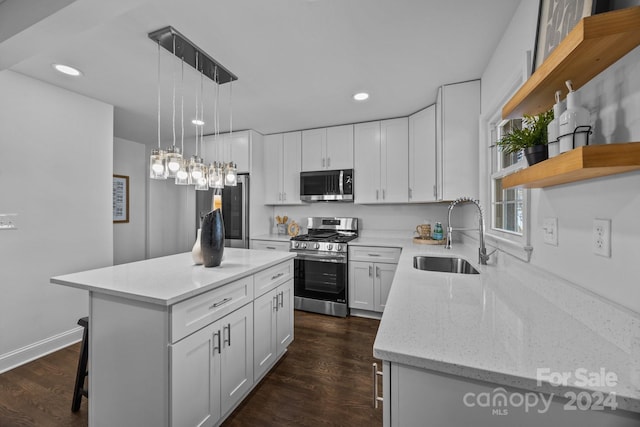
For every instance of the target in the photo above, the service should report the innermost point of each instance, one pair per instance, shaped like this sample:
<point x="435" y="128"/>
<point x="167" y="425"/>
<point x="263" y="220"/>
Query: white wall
<point x="57" y="150"/>
<point x="129" y="239"/>
<point x="613" y="98"/>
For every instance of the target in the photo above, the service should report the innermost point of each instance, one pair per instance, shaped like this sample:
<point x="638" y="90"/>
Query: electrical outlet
<point x="550" y="228"/>
<point x="602" y="237"/>
<point x="8" y="221"/>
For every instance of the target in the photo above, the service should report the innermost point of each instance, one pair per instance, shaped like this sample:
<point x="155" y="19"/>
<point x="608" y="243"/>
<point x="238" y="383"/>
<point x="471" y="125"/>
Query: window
<point x="507" y="205"/>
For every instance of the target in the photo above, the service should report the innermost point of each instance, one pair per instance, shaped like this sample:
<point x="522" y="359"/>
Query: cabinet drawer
<point x="272" y="277"/>
<point x="197" y="312"/>
<point x="270" y="245"/>
<point x="374" y="254"/>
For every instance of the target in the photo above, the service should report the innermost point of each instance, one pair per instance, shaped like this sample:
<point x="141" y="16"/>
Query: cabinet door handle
<point x="410" y="193"/>
<point x="279" y="196"/>
<point x="281" y="299"/>
<point x="277" y="275"/>
<point x="377" y="271"/>
<point x="376" y="194"/>
<point x="383" y="194"/>
<point x="323" y="162"/>
<point x="228" y="340"/>
<point x="284" y="196"/>
<point x="328" y="162"/>
<point x="216" y="337"/>
<point x="370" y="270"/>
<point x="275" y="303"/>
<point x="219" y="303"/>
<point x="435" y="192"/>
<point x="376" y="374"/>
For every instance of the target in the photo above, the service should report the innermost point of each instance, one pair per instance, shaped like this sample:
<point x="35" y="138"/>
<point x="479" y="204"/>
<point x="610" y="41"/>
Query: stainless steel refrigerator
<point x="235" y="211"/>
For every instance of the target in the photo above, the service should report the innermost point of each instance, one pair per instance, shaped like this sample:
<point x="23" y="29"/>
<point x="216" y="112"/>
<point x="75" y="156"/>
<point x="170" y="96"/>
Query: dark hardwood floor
<point x="324" y="380"/>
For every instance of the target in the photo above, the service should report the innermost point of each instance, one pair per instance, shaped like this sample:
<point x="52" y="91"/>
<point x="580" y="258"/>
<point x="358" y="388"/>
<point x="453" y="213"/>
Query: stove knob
<point x="316" y="246"/>
<point x="339" y="248"/>
<point x="304" y="246"/>
<point x="296" y="244"/>
<point x="329" y="246"/>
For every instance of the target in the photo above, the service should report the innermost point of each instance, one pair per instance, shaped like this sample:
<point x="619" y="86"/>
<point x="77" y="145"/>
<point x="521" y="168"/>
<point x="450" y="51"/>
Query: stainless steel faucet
<point x="482" y="250"/>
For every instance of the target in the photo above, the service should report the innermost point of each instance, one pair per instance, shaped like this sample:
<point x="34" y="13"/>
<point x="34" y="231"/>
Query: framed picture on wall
<point x="120" y="198"/>
<point x="556" y="18"/>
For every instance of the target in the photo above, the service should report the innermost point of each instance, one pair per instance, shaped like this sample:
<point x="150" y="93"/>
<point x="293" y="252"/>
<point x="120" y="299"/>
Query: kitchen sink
<point x="443" y="264"/>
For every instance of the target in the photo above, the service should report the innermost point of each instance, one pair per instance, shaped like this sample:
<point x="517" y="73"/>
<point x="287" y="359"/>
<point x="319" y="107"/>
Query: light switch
<point x="550" y="228"/>
<point x="8" y="222"/>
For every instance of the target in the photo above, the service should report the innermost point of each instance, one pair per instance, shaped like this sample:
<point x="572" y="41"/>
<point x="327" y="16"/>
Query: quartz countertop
<point x="171" y="279"/>
<point x="504" y="324"/>
<point x="273" y="237"/>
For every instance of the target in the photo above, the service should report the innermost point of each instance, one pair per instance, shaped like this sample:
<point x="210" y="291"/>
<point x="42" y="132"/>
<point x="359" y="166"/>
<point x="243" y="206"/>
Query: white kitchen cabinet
<point x="270" y="245"/>
<point x="381" y="150"/>
<point x="281" y="164"/>
<point x="371" y="271"/>
<point x="422" y="155"/>
<point x="273" y="327"/>
<point x="212" y="369"/>
<point x="233" y="147"/>
<point x="327" y="148"/>
<point x="457" y="136"/>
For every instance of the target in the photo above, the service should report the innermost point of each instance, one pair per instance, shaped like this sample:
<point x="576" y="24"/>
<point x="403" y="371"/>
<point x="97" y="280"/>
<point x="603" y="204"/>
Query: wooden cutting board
<point x="428" y="241"/>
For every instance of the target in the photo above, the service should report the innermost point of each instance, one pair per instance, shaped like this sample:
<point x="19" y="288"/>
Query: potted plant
<point x="532" y="138"/>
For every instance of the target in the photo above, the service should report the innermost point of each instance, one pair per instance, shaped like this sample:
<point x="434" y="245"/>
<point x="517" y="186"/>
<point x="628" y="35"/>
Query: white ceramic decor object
<point x="553" y="129"/>
<point x="574" y="117"/>
<point x="196" y="252"/>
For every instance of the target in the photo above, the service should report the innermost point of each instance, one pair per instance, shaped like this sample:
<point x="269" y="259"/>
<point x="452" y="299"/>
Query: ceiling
<point x="298" y="62"/>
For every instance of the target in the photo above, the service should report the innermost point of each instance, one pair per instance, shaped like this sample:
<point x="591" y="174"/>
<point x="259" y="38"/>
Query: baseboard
<point x="38" y="349"/>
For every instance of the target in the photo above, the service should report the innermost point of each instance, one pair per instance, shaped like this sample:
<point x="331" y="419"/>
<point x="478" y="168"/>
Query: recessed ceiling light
<point x="65" y="69"/>
<point x="197" y="122"/>
<point x="361" y="96"/>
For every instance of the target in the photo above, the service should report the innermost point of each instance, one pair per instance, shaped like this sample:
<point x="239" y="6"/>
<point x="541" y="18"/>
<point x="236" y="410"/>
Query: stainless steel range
<point x="321" y="275"/>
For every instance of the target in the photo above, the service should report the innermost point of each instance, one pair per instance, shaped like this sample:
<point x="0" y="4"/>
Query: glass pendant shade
<point x="196" y="169"/>
<point x="157" y="164"/>
<point x="182" y="175"/>
<point x="174" y="160"/>
<point x="216" y="176"/>
<point x="231" y="175"/>
<point x="202" y="183"/>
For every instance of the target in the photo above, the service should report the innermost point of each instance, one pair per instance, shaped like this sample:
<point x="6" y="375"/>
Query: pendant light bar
<point x="184" y="48"/>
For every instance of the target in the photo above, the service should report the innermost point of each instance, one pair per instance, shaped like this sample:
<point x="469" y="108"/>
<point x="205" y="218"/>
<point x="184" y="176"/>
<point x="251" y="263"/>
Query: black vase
<point x="536" y="154"/>
<point x="212" y="238"/>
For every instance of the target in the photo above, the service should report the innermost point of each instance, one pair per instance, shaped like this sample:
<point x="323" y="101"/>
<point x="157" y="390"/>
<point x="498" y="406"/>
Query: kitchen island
<point x="462" y="349"/>
<point x="177" y="344"/>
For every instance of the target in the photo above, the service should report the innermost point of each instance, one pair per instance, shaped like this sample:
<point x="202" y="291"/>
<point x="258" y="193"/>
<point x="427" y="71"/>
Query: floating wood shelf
<point x="579" y="164"/>
<point x="593" y="45"/>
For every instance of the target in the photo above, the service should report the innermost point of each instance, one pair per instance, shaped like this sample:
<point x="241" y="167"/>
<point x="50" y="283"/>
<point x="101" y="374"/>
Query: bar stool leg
<point x="82" y="372"/>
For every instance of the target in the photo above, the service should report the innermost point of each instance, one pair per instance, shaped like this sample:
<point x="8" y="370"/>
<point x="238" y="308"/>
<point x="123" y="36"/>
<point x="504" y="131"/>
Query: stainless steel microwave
<point x="333" y="185"/>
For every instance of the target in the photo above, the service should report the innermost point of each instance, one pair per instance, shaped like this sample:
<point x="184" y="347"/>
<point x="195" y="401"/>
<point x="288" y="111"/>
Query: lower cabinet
<point x="212" y="369"/>
<point x="273" y="327"/>
<point x="371" y="271"/>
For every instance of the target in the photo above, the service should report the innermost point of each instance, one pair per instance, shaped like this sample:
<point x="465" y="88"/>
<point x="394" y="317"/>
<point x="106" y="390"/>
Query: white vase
<point x="196" y="252"/>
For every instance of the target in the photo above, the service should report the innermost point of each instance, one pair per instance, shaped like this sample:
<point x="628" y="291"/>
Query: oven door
<point x="321" y="277"/>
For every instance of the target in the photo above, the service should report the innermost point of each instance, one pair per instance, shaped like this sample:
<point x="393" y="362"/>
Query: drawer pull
<point x="271" y="247"/>
<point x="373" y="254"/>
<point x="219" y="303"/>
<point x="277" y="275"/>
<point x="376" y="398"/>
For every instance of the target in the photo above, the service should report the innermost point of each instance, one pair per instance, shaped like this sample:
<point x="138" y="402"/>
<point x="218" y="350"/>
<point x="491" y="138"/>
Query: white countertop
<point x="273" y="237"/>
<point x="171" y="279"/>
<point x="505" y="323"/>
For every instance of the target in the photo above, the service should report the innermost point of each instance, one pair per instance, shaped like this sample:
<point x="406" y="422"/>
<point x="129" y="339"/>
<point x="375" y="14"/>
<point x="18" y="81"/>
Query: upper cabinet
<point x="327" y="148"/>
<point x="235" y="147"/>
<point x="457" y="134"/>
<point x="422" y="155"/>
<point x="380" y="168"/>
<point x="282" y="159"/>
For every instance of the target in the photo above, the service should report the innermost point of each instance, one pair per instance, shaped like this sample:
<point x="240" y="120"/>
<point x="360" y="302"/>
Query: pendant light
<point x="196" y="167"/>
<point x="202" y="183"/>
<point x="157" y="160"/>
<point x="173" y="154"/>
<point x="231" y="171"/>
<point x="182" y="174"/>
